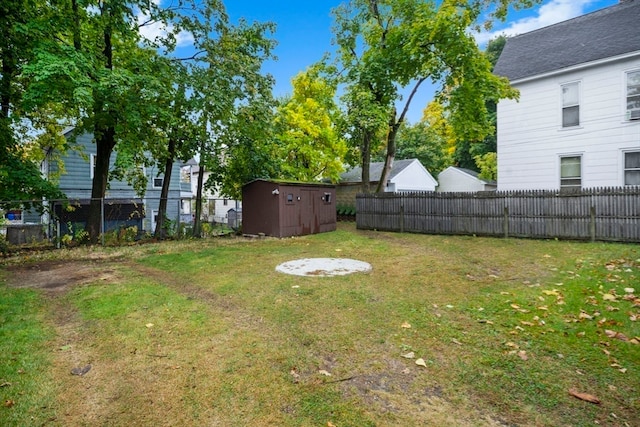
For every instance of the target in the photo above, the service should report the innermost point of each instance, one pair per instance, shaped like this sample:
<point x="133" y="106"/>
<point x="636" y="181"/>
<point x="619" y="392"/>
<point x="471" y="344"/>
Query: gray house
<point x="122" y="206"/>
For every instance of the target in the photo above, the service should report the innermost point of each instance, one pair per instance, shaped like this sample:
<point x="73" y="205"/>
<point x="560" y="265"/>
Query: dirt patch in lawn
<point x="58" y="276"/>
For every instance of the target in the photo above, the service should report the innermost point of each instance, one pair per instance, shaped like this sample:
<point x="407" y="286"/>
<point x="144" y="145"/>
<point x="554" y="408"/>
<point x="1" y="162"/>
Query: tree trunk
<point x="105" y="134"/>
<point x="161" y="224"/>
<point x="391" y="153"/>
<point x="365" y="152"/>
<point x="394" y="126"/>
<point x="105" y="141"/>
<point x="197" y="224"/>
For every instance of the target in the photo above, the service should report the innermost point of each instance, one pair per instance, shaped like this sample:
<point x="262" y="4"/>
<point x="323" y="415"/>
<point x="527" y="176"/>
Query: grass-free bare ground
<point x="208" y="333"/>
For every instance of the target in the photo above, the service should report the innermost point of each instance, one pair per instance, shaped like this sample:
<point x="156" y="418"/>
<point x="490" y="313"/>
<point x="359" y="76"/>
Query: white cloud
<point x="154" y="29"/>
<point x="548" y="14"/>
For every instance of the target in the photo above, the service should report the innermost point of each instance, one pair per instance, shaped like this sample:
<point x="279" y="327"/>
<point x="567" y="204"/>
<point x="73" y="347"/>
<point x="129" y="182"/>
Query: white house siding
<point x="413" y="178"/>
<point x="216" y="211"/>
<point x="531" y="138"/>
<point x="454" y="180"/>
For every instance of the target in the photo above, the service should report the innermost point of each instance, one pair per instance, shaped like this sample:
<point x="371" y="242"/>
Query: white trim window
<point x="157" y="182"/>
<point x="570" y="172"/>
<point x="154" y="219"/>
<point x="632" y="168"/>
<point x="633" y="95"/>
<point x="571" y="104"/>
<point x="92" y="166"/>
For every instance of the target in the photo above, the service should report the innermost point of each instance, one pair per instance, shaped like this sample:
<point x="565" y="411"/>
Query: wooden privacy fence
<point x="608" y="214"/>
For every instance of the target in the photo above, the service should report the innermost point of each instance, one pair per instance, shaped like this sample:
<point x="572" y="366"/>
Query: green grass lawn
<point x="208" y="333"/>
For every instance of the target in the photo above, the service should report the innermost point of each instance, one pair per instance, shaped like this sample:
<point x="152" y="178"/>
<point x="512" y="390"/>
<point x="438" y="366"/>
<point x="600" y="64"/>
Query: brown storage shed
<point x="284" y="209"/>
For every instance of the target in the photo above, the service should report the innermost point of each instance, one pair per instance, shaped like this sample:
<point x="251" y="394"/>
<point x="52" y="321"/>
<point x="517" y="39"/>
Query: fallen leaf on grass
<point x="629" y="290"/>
<point x="409" y="355"/>
<point x="149" y="325"/>
<point x="5" y="384"/>
<point x="330" y="424"/>
<point x="584" y="315"/>
<point x="617" y="335"/>
<point x="421" y="362"/>
<point x="609" y="297"/>
<point x="455" y="341"/>
<point x="523" y="355"/>
<point x="525" y="323"/>
<point x="295" y="375"/>
<point x="325" y="373"/>
<point x="405" y="325"/>
<point x="9" y="403"/>
<point x="551" y="293"/>
<point x="584" y="396"/>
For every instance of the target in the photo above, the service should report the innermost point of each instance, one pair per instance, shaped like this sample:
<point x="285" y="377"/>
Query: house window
<point x="225" y="202"/>
<point x="92" y="165"/>
<point x="154" y="219"/>
<point x="157" y="182"/>
<point x="571" y="105"/>
<point x="633" y="95"/>
<point x="570" y="172"/>
<point x="326" y="198"/>
<point x="632" y="168"/>
<point x="185" y="206"/>
<point x="289" y="198"/>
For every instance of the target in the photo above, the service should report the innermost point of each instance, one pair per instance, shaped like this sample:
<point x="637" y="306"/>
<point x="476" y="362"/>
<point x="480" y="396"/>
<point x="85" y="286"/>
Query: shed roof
<point x="294" y="183"/>
<point x="605" y="33"/>
<point x="375" y="171"/>
<point x="474" y="174"/>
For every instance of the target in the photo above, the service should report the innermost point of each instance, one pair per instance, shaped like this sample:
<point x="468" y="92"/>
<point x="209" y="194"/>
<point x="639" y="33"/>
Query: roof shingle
<point x="605" y="33"/>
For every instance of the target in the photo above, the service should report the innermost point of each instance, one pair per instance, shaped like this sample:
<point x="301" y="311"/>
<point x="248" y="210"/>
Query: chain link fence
<point x="64" y="222"/>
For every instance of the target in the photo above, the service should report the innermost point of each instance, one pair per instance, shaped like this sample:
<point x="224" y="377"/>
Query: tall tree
<point x="386" y="46"/>
<point x="236" y="98"/>
<point x="309" y="142"/>
<point x="479" y="154"/>
<point x="100" y="68"/>
<point x="24" y="23"/>
<point x="420" y="141"/>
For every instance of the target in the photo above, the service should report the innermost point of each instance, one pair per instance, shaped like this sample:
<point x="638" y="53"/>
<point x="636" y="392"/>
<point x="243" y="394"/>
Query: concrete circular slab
<point x="323" y="267"/>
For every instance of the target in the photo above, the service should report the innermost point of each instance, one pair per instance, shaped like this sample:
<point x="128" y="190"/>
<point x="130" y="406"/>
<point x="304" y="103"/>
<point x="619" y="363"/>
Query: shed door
<point x="309" y="213"/>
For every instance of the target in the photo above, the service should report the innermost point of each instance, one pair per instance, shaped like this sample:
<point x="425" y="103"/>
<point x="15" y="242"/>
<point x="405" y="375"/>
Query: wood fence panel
<point x="608" y="214"/>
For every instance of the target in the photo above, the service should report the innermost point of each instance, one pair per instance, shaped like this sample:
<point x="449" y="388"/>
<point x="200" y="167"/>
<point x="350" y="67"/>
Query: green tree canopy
<point x="24" y="23"/>
<point x="309" y="143"/>
<point x="385" y="46"/>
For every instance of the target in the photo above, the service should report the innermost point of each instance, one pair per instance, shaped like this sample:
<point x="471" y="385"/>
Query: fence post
<point x="592" y="223"/>
<point x="505" y="222"/>
<point x="102" y="220"/>
<point x="401" y="216"/>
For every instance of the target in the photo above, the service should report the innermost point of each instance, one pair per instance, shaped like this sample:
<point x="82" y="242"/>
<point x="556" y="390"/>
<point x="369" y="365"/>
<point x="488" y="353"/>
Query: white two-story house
<point x="577" y="122"/>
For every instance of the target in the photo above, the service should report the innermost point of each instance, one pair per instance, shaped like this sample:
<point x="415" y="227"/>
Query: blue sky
<point x="304" y="32"/>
